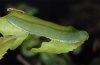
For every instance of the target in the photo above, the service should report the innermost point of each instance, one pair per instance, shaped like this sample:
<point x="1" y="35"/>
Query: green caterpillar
<point x="62" y="38"/>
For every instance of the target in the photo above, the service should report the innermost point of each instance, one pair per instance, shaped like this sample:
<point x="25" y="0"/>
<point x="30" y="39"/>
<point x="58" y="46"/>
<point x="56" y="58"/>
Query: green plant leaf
<point x="5" y="44"/>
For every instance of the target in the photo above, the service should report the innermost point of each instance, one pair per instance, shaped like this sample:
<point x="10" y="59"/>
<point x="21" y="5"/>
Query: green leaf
<point x="5" y="44"/>
<point x="8" y="29"/>
<point x="56" y="47"/>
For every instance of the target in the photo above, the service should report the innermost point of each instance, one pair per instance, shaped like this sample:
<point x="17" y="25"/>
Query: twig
<point x="22" y="60"/>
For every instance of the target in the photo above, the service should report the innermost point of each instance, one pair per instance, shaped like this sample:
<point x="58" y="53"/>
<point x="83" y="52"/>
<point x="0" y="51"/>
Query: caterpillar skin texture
<point x="63" y="38"/>
<point x="40" y="30"/>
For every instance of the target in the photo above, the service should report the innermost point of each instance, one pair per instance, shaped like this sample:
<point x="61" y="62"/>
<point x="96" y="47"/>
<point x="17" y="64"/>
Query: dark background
<point x="82" y="14"/>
